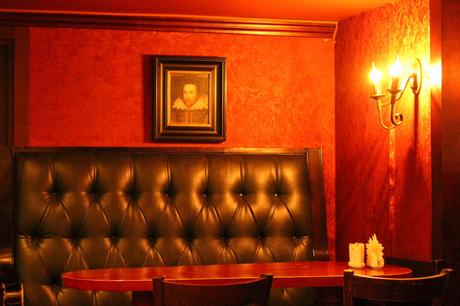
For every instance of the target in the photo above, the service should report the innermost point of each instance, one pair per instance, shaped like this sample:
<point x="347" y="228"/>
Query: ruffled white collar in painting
<point x="201" y="103"/>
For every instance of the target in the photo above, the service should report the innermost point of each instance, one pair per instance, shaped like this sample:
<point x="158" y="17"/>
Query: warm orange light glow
<point x="396" y="69"/>
<point x="375" y="75"/>
<point x="436" y="75"/>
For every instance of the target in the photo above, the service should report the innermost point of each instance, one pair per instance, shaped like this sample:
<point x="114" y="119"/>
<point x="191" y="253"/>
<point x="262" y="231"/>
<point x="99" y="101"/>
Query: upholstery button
<point x="241" y="194"/>
<point x="204" y="195"/>
<point x="276" y="194"/>
<point x="132" y="194"/>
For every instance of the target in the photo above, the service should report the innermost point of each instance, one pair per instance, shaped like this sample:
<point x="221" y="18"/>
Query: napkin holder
<point x="374" y="252"/>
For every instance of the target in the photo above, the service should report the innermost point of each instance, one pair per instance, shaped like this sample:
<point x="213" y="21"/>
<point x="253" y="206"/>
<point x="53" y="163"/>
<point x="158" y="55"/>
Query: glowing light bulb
<point x="396" y="69"/>
<point x="396" y="72"/>
<point x="375" y="75"/>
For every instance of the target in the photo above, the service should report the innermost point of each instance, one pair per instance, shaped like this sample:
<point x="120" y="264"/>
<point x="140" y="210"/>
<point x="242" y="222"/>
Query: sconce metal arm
<point x="379" y="108"/>
<point x="396" y="118"/>
<point x="416" y="79"/>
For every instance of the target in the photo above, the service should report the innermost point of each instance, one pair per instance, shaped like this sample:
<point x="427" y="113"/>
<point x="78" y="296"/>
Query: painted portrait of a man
<point x="189" y="99"/>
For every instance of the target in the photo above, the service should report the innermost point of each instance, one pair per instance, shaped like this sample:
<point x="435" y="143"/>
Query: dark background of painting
<point x="178" y="80"/>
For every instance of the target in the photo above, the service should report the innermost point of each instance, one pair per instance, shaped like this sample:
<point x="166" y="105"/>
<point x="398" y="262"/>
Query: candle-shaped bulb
<point x="375" y="75"/>
<point x="396" y="69"/>
<point x="396" y="72"/>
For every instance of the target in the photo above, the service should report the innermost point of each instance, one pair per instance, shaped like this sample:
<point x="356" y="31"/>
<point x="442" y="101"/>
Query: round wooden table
<point x="285" y="274"/>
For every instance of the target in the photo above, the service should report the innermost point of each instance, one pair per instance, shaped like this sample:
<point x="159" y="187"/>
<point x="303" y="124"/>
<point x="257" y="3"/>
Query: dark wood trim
<point x="162" y="22"/>
<point x="7" y="32"/>
<point x="10" y="92"/>
<point x="6" y="226"/>
<point x="9" y="43"/>
<point x="6" y="211"/>
<point x="10" y="46"/>
<point x="171" y="150"/>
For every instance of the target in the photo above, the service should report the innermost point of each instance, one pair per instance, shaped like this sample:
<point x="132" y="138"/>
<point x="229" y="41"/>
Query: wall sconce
<point x="395" y="92"/>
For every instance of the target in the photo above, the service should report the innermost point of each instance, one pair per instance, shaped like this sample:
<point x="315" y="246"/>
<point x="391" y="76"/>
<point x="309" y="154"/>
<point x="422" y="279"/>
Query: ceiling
<point x="328" y="10"/>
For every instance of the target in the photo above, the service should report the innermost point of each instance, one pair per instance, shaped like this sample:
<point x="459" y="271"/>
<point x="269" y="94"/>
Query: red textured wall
<point x="383" y="177"/>
<point x="82" y="87"/>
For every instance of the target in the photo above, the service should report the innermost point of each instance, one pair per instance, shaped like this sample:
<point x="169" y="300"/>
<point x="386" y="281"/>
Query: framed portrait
<point x="189" y="94"/>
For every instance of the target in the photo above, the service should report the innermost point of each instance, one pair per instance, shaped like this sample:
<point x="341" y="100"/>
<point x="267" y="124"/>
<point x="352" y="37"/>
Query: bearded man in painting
<point x="191" y="107"/>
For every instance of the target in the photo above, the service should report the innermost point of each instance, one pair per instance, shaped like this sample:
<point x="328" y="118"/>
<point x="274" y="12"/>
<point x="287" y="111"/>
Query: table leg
<point x="142" y="298"/>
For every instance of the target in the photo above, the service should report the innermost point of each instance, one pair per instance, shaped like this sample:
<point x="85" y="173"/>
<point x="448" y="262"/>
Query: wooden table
<point x="285" y="274"/>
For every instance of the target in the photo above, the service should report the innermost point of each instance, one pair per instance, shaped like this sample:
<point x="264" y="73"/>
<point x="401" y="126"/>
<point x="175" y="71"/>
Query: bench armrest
<point x="12" y="294"/>
<point x="7" y="274"/>
<point x="10" y="290"/>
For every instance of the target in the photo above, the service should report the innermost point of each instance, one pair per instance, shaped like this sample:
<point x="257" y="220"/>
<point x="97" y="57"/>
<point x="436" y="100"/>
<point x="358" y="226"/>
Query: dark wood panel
<point x="450" y="129"/>
<point x="158" y="22"/>
<point x="179" y="150"/>
<point x="3" y="95"/>
<point x="451" y="198"/>
<point x="6" y="224"/>
<point x="436" y="133"/>
<point x="453" y="294"/>
<point x="6" y="64"/>
<point x="6" y="139"/>
<point x="6" y="91"/>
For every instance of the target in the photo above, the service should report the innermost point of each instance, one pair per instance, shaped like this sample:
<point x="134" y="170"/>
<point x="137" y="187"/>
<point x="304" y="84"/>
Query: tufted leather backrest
<point x="95" y="208"/>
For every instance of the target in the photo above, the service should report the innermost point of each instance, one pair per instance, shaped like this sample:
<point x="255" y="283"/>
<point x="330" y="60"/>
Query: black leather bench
<point x="85" y="208"/>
